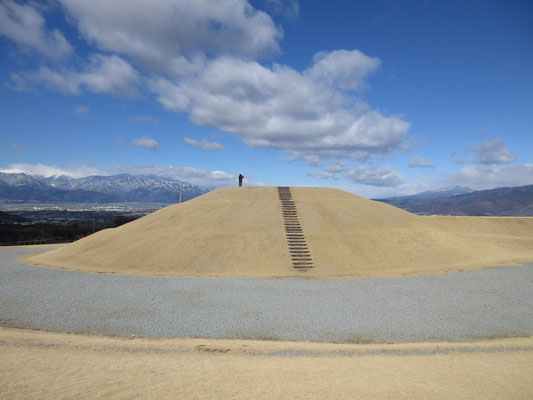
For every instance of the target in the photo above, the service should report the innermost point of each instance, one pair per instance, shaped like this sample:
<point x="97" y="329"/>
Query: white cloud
<point x="420" y="162"/>
<point x="104" y="74"/>
<point x="310" y="159"/>
<point x="167" y="34"/>
<point x="64" y="82"/>
<point x="375" y="176"/>
<point x="343" y="69"/>
<point x="146" y="142"/>
<point x="320" y="175"/>
<point x="480" y="177"/>
<point x="52" y="170"/>
<point x="204" y="144"/>
<point x="203" y="66"/>
<point x="18" y="83"/>
<point x="380" y="192"/>
<point x="333" y="171"/>
<point x="81" y="109"/>
<point x="281" y="108"/>
<point x="171" y="96"/>
<point x="188" y="174"/>
<point x="492" y="152"/>
<point x="286" y="8"/>
<point x="25" y="25"/>
<point x="336" y="167"/>
<point x="110" y="74"/>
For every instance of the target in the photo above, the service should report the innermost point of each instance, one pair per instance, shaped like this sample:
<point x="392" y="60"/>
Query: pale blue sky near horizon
<point x="380" y="98"/>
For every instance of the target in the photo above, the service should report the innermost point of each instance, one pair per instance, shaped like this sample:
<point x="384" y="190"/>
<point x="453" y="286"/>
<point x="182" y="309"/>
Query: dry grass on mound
<point x="239" y="232"/>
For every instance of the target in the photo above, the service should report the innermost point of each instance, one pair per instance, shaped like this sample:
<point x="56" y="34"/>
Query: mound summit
<point x="240" y="232"/>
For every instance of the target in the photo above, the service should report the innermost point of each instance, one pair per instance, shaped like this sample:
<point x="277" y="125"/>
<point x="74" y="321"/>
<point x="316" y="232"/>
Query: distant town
<point x="23" y="224"/>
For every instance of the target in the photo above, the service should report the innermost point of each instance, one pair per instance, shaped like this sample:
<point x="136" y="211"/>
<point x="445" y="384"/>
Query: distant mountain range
<point x="505" y="201"/>
<point x="95" y="189"/>
<point x="125" y="188"/>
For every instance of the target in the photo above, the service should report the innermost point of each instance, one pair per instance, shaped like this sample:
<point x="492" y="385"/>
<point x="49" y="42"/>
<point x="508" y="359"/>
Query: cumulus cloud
<point x="343" y="69"/>
<point x="166" y="34"/>
<point x="204" y="144"/>
<point x="492" y="152"/>
<point x="146" y="142"/>
<point x="375" y="176"/>
<point x="320" y="175"/>
<point x="336" y="167"/>
<point x="286" y="8"/>
<point x="104" y="74"/>
<point x="205" y="66"/>
<point x="407" y="188"/>
<point x="490" y="176"/>
<point x="18" y="83"/>
<point x="280" y="108"/>
<point x="420" y="162"/>
<point x="170" y="95"/>
<point x="312" y="159"/>
<point x="25" y="25"/>
<point x="81" y="109"/>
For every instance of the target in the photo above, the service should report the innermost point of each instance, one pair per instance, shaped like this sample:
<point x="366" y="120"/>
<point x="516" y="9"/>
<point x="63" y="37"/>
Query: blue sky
<point x="379" y="98"/>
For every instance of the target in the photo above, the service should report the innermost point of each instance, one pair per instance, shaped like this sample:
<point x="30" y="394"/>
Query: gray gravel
<point x="456" y="307"/>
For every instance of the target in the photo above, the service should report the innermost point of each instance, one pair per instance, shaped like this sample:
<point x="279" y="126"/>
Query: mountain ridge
<point x="96" y="188"/>
<point x="504" y="201"/>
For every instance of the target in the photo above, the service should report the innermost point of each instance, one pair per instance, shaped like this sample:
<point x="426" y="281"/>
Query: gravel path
<point x="456" y="307"/>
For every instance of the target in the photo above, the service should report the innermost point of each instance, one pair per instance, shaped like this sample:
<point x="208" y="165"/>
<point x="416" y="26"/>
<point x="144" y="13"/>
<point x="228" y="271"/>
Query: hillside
<point x="240" y="232"/>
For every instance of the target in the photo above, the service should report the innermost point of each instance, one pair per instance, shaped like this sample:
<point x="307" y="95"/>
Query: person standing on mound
<point x="241" y="177"/>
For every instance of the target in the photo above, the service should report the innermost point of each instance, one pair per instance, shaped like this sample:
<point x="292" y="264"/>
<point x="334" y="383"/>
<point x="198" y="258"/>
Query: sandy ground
<point x="43" y="365"/>
<point x="239" y="232"/>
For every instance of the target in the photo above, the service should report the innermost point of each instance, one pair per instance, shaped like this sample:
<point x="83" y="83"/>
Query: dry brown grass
<point x="43" y="365"/>
<point x="239" y="232"/>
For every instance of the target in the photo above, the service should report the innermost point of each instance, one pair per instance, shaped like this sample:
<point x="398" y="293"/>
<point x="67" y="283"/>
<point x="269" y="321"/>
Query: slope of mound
<point x="352" y="236"/>
<point x="240" y="232"/>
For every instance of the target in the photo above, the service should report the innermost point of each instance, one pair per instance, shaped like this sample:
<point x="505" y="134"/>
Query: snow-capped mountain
<point x="96" y="189"/>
